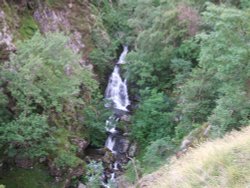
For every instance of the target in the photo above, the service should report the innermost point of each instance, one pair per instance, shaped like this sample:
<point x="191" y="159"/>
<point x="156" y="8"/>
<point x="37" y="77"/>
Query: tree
<point x="152" y="120"/>
<point x="43" y="86"/>
<point x="217" y="89"/>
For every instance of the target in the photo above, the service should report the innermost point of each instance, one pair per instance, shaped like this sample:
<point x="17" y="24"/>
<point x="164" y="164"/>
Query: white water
<point x="123" y="56"/>
<point x="116" y="166"/>
<point x="110" y="142"/>
<point x="117" y="94"/>
<point x="117" y="91"/>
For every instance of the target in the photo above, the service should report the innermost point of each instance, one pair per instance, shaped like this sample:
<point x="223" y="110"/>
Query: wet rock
<point x="132" y="150"/>
<point x="42" y="159"/>
<point x="126" y="118"/>
<point x="108" y="157"/>
<point x="81" y="185"/>
<point x="23" y="162"/>
<point x="122" y="145"/>
<point x="81" y="144"/>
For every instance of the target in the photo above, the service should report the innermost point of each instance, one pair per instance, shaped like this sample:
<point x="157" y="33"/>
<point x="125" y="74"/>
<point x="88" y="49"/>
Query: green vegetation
<point x="37" y="177"/>
<point x="188" y="66"/>
<point x="28" y="26"/>
<point x="187" y="69"/>
<point x="152" y="119"/>
<point x="44" y="88"/>
<point x="93" y="174"/>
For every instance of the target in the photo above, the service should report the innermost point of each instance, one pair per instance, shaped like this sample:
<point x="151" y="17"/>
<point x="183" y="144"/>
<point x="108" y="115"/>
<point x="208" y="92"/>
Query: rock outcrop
<point x="6" y="37"/>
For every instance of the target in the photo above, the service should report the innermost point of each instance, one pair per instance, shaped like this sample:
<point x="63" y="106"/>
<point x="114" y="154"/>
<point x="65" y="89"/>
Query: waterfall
<point x="117" y="98"/>
<point x="117" y="92"/>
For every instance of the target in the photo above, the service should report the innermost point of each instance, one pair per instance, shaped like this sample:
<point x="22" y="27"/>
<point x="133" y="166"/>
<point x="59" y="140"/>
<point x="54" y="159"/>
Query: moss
<point x="28" y="26"/>
<point x="38" y="177"/>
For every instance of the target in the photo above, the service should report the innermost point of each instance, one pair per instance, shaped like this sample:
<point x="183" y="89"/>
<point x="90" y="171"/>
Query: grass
<point x="214" y="164"/>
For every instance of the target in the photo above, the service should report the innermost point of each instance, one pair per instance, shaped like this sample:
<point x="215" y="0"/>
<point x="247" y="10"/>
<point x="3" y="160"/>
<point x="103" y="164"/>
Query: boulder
<point x="23" y="162"/>
<point x="81" y="185"/>
<point x="80" y="143"/>
<point x="132" y="150"/>
<point x="126" y="118"/>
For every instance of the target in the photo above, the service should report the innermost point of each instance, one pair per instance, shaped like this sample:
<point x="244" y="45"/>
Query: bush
<point x="28" y="136"/>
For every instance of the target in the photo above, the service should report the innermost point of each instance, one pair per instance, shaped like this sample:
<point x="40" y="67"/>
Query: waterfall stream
<point x="117" y="92"/>
<point x="118" y="100"/>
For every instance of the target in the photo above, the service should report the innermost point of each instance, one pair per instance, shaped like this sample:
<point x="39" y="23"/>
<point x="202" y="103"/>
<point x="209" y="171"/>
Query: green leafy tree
<point x="27" y="136"/>
<point x="217" y="89"/>
<point x="44" y="74"/>
<point x="152" y="120"/>
<point x="43" y="86"/>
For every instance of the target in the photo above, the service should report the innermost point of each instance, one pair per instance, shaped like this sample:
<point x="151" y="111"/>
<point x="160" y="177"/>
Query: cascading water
<point x="117" y="99"/>
<point x="117" y="92"/>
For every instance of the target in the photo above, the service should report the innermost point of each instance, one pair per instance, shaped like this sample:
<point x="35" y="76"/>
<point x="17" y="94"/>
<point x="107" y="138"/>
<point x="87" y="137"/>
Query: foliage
<point x="101" y="59"/>
<point x="159" y="40"/>
<point x="43" y="85"/>
<point x="94" y="172"/>
<point x="152" y="120"/>
<point x="28" y="136"/>
<point x="43" y="74"/>
<point x="66" y="159"/>
<point x="217" y="90"/>
<point x="95" y="116"/>
<point x="28" y="26"/>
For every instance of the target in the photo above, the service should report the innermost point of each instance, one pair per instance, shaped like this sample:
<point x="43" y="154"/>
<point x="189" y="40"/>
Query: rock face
<point x="51" y="20"/>
<point x="61" y="20"/>
<point x="81" y="144"/>
<point x="6" y="38"/>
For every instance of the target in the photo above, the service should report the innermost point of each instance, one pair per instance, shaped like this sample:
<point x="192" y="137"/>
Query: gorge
<point x="78" y="109"/>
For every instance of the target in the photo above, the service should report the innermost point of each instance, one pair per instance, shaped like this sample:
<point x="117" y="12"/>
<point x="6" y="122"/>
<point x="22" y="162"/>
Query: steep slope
<point x="219" y="163"/>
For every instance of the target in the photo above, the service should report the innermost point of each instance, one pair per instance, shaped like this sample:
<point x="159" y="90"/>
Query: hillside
<point x="220" y="163"/>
